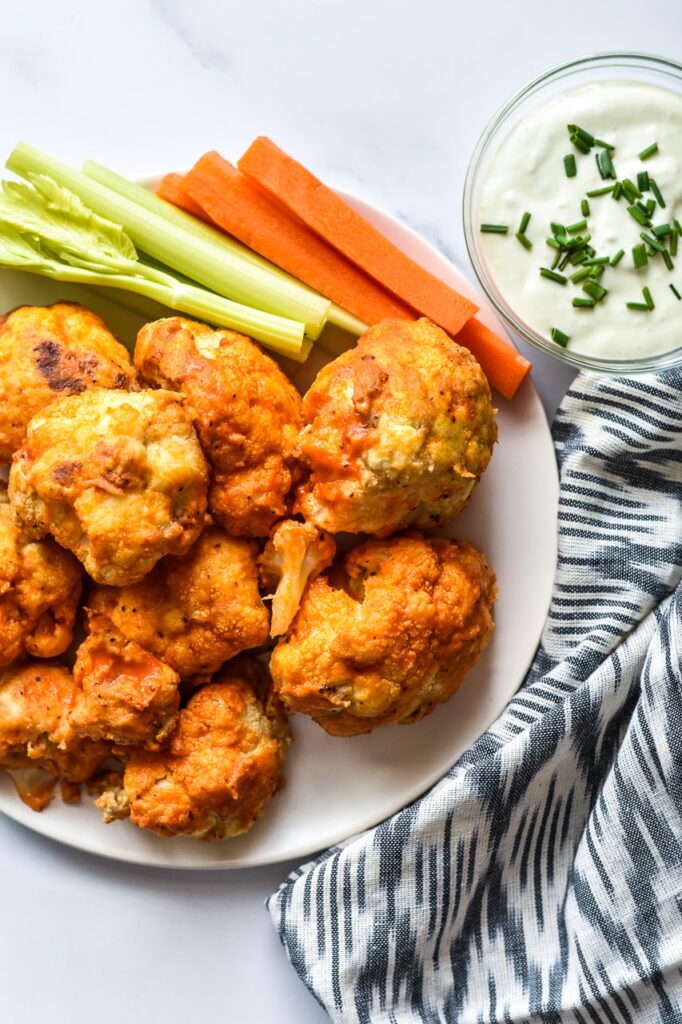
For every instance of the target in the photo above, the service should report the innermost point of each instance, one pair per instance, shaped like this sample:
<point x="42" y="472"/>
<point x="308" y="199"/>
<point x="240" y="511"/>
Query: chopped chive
<point x="605" y="164"/>
<point x="638" y="305"/>
<point x="649" y="151"/>
<point x="584" y="207"/>
<point x="580" y="303"/>
<point x="618" y="191"/>
<point x="579" y="144"/>
<point x="557" y="229"/>
<point x="596" y="271"/>
<point x="557" y="260"/>
<point x="594" y="290"/>
<point x="630" y="185"/>
<point x="573" y="229"/>
<point x="665" y="256"/>
<point x="559" y="337"/>
<point x="576" y="242"/>
<point x="661" y="229"/>
<point x="594" y="261"/>
<point x="570" y="166"/>
<point x="657" y="193"/>
<point x="644" y="208"/>
<point x="581" y="275"/>
<point x="653" y="242"/>
<point x="525" y="221"/>
<point x="587" y="137"/>
<point x="639" y="256"/>
<point x="578" y="257"/>
<point x="673" y="244"/>
<point x="675" y="292"/>
<point x="525" y="242"/>
<point x="638" y="216"/>
<point x="604" y="145"/>
<point x="551" y="275"/>
<point x="643" y="181"/>
<point x="600" y="191"/>
<point x="553" y="242"/>
<point x="494" y="229"/>
<point x="678" y="226"/>
<point x="566" y="259"/>
<point x="647" y="298"/>
<point x="650" y="206"/>
<point x="615" y="260"/>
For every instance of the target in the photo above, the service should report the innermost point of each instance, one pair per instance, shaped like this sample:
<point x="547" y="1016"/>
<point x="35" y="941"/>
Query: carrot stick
<point x="171" y="189"/>
<point x="346" y="230"/>
<point x="235" y="204"/>
<point x="505" y="368"/>
<point x="217" y="192"/>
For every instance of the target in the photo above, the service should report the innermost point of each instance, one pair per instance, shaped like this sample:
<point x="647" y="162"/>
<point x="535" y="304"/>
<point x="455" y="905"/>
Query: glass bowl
<point x="632" y="67"/>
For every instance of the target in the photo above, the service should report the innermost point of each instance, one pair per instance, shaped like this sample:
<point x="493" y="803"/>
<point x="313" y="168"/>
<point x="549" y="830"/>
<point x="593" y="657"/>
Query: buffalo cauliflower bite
<point x="194" y="612"/>
<point x="40" y="586"/>
<point x="389" y="638"/>
<point x="125" y="695"/>
<point x="398" y="431"/>
<point x="118" y="479"/>
<point x="246" y="411"/>
<point x="37" y="741"/>
<point x="295" y="553"/>
<point x="223" y="764"/>
<point x="47" y="352"/>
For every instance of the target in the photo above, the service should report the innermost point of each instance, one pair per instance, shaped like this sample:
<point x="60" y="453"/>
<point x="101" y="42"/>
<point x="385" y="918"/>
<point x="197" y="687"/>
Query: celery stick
<point x="147" y="198"/>
<point x="211" y="264"/>
<point x="284" y="336"/>
<point x="346" y="321"/>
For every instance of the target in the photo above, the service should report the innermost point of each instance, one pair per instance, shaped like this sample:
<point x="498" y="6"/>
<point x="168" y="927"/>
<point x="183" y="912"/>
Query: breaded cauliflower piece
<point x="40" y="586"/>
<point x="37" y="741"/>
<point x="47" y="352"/>
<point x="295" y="553"/>
<point x="125" y="695"/>
<point x="194" y="612"/>
<point x="391" y="639"/>
<point x="223" y="765"/>
<point x="398" y="431"/>
<point x="118" y="479"/>
<point x="246" y="411"/>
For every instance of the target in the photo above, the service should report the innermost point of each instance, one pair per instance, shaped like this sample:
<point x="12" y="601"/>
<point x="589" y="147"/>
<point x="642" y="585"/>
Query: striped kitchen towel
<point x="541" y="879"/>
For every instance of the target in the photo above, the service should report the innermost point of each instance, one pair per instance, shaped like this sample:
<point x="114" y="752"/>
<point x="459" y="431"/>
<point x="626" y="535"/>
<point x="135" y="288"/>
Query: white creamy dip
<point x="527" y="174"/>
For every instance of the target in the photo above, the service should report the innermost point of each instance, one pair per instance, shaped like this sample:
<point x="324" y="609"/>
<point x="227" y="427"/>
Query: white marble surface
<point x="382" y="97"/>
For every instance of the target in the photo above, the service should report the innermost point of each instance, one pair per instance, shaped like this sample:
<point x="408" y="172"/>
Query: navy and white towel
<point x="541" y="879"/>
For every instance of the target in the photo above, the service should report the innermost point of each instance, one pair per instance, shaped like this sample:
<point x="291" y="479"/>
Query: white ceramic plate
<point x="336" y="788"/>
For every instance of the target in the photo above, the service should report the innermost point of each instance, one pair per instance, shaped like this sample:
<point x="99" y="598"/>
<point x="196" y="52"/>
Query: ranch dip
<point x="538" y="169"/>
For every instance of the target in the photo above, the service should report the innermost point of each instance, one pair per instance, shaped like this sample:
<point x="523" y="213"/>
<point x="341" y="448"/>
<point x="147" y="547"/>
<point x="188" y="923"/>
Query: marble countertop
<point x="384" y="98"/>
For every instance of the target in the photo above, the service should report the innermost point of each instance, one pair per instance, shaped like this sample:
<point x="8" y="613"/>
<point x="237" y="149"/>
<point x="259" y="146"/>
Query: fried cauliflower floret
<point x="40" y="586"/>
<point x="118" y="479"/>
<point x="295" y="553"/>
<point x="246" y="412"/>
<point x="223" y="764"/>
<point x="47" y="352"/>
<point x="391" y="638"/>
<point x="194" y="612"/>
<point x="125" y="695"/>
<point x="37" y="741"/>
<point x="398" y="431"/>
